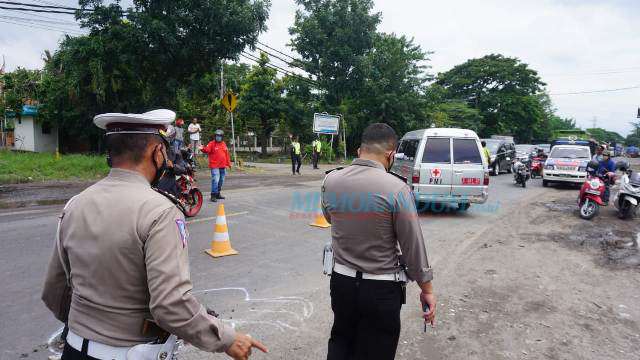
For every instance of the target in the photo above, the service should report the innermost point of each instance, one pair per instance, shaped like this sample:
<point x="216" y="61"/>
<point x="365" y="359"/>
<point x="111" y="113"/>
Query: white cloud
<point x="565" y="40"/>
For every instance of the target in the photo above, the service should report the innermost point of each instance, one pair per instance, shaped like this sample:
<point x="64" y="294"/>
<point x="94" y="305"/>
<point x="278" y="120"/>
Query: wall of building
<point x="45" y="142"/>
<point x="24" y="134"/>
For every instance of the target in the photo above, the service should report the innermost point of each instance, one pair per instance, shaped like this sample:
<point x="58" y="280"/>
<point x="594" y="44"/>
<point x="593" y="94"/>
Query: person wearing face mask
<point x="219" y="161"/>
<point x="119" y="273"/>
<point x="377" y="247"/>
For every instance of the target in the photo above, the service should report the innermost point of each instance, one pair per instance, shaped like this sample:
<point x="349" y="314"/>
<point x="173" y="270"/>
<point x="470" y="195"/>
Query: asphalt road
<point x="274" y="288"/>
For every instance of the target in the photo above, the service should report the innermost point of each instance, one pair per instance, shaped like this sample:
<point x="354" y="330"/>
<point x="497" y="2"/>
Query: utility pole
<point x="221" y="79"/>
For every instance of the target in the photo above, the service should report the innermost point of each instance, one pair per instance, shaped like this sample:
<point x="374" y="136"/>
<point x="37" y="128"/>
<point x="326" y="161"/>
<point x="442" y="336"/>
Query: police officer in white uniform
<point x="119" y="273"/>
<point x="375" y="235"/>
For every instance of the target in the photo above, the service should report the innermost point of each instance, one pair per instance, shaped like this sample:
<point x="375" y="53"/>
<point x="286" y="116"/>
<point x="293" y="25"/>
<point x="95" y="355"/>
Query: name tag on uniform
<point x="184" y="233"/>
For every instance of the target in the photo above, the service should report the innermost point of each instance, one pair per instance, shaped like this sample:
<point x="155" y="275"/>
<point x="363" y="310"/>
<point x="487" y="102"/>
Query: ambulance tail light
<point x="486" y="178"/>
<point x="415" y="176"/>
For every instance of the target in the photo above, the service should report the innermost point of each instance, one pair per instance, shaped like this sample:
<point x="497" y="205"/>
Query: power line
<point x="42" y="17"/>
<point x="278" y="51"/>
<point x="278" y="69"/>
<point x="597" y="91"/>
<point x="65" y="31"/>
<point x="281" y="59"/>
<point x="43" y="6"/>
<point x="46" y="20"/>
<point x="38" y="10"/>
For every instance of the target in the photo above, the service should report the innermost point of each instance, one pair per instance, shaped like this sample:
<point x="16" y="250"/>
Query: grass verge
<point x="21" y="167"/>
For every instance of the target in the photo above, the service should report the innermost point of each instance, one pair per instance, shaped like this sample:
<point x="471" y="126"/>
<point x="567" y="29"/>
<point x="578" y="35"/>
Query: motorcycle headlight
<point x="493" y="158"/>
<point x="548" y="167"/>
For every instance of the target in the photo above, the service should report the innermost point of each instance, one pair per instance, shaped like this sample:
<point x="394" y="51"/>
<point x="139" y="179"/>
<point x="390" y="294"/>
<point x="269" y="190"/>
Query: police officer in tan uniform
<point x="119" y="273"/>
<point x="375" y="235"/>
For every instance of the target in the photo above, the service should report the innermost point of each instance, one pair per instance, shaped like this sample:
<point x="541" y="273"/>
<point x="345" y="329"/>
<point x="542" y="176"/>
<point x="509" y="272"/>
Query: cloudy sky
<point x="575" y="45"/>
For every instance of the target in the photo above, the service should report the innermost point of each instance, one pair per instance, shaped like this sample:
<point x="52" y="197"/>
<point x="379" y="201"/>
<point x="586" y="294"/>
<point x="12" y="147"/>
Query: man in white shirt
<point x="194" y="135"/>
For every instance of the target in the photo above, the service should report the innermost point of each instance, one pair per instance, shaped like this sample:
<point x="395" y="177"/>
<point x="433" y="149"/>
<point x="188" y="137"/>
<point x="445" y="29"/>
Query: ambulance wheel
<point x="463" y="206"/>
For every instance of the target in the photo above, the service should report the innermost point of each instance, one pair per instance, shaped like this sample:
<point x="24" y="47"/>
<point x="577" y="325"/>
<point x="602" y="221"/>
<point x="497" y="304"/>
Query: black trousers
<point x="296" y="162"/>
<point x="70" y="353"/>
<point x="366" y="322"/>
<point x="316" y="157"/>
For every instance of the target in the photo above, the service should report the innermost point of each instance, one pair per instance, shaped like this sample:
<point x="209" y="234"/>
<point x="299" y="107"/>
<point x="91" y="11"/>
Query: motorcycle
<point x="592" y="192"/>
<point x="627" y="198"/>
<point x="521" y="173"/>
<point x="190" y="196"/>
<point x="537" y="164"/>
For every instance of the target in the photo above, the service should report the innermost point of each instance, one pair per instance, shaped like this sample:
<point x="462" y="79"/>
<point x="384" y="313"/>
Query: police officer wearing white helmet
<point x="119" y="273"/>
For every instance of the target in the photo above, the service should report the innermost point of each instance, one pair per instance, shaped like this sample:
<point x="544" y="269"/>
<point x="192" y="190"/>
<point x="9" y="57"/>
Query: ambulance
<point x="443" y="165"/>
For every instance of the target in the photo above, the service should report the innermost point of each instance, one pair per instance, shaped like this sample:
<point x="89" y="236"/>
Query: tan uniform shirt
<point x="125" y="246"/>
<point x="373" y="214"/>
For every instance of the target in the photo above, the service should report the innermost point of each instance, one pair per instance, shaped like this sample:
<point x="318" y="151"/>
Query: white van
<point x="443" y="166"/>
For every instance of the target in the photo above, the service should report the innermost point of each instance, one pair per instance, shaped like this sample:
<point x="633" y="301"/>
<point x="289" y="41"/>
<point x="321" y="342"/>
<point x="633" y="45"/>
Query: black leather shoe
<point x="214" y="198"/>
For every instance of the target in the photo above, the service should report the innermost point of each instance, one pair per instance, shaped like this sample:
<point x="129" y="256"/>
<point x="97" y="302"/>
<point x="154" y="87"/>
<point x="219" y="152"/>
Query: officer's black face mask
<point x="160" y="170"/>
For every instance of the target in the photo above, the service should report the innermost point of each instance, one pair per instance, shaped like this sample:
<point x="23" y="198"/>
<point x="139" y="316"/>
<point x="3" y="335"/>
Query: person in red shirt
<point x="218" y="162"/>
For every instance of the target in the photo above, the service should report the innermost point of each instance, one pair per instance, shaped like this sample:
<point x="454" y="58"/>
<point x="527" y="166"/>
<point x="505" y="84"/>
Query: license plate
<point x="470" y="181"/>
<point x="571" y="168"/>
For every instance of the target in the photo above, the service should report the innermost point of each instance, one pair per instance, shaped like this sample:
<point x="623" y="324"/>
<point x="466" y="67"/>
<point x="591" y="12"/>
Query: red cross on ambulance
<point x="436" y="173"/>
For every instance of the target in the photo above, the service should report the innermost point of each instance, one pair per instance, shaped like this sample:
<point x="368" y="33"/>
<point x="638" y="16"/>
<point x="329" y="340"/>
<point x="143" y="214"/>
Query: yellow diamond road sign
<point x="229" y="101"/>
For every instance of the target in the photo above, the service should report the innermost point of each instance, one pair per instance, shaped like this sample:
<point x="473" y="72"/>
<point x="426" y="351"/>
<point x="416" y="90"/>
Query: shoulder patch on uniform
<point x="184" y="233"/>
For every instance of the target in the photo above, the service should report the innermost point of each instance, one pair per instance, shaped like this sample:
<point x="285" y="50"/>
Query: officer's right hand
<point x="430" y="300"/>
<point x="241" y="347"/>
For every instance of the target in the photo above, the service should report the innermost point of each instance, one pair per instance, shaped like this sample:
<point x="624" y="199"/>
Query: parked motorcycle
<point x="627" y="198"/>
<point x="592" y="192"/>
<point x="190" y="195"/>
<point x="521" y="173"/>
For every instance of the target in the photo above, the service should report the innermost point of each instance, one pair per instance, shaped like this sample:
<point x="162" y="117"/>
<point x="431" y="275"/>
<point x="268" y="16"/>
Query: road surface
<point x="521" y="277"/>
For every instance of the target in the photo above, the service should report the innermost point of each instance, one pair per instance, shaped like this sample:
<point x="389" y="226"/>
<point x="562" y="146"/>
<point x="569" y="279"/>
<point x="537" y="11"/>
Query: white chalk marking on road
<point x="215" y="217"/>
<point x="307" y="308"/>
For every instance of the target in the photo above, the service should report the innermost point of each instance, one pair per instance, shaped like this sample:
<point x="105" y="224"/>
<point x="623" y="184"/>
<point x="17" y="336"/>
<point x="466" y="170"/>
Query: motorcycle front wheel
<point x="193" y="203"/>
<point x="625" y="210"/>
<point x="589" y="209"/>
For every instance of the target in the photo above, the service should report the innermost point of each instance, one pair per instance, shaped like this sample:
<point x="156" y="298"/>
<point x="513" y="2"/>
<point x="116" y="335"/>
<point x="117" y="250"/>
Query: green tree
<point x="261" y="102"/>
<point x="603" y="135"/>
<point x="503" y="89"/>
<point x="333" y="37"/>
<point x="395" y="80"/>
<point x="21" y="87"/>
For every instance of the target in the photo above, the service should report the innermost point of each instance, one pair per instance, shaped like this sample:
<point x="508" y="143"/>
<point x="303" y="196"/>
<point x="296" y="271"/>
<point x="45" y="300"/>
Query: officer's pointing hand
<point x="429" y="299"/>
<point x="241" y="347"/>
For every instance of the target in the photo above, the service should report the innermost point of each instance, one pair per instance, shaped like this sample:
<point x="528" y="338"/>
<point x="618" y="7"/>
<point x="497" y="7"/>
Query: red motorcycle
<point x="190" y="197"/>
<point x="537" y="164"/>
<point x="592" y="192"/>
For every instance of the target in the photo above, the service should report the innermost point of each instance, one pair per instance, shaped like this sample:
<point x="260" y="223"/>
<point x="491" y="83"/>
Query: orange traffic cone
<point x="320" y="220"/>
<point x="221" y="246"/>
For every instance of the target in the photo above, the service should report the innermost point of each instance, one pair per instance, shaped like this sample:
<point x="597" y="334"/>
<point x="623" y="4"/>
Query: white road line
<point x="215" y="217"/>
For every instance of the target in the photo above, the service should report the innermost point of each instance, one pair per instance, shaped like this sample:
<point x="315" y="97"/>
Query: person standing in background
<point x="178" y="140"/>
<point x="317" y="147"/>
<point x="296" y="159"/>
<point x="219" y="161"/>
<point x="194" y="130"/>
<point x="486" y="152"/>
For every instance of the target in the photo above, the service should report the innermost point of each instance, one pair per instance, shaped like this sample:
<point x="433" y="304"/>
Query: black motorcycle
<point x="521" y="173"/>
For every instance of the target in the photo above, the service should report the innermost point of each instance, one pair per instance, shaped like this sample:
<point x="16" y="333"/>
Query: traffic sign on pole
<point x="229" y="101"/>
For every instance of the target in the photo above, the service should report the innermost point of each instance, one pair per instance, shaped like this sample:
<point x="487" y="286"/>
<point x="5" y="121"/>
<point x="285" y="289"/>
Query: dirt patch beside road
<point x="542" y="284"/>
